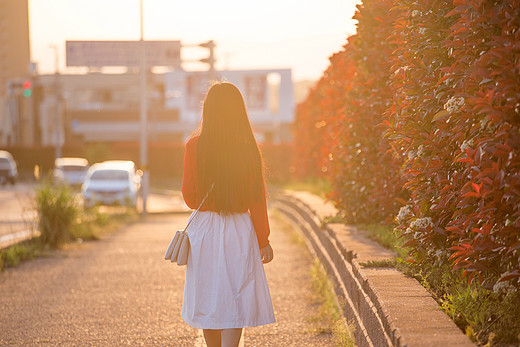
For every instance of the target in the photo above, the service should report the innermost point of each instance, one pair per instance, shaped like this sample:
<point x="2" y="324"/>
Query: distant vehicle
<point x="8" y="168"/>
<point x="112" y="182"/>
<point x="72" y="171"/>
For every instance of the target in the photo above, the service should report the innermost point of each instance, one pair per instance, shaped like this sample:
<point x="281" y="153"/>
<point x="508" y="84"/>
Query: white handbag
<point x="179" y="246"/>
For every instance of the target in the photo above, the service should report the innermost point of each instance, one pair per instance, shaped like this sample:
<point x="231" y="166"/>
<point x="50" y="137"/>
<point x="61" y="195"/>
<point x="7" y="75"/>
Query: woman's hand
<point x="267" y="254"/>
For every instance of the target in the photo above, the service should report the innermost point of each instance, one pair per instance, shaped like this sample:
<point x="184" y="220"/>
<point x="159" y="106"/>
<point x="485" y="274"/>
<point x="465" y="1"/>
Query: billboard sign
<point x="123" y="53"/>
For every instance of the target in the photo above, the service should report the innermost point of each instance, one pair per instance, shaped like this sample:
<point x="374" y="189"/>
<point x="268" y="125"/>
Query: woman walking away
<point x="226" y="288"/>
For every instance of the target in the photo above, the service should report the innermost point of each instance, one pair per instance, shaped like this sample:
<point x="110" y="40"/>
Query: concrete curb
<point x="386" y="307"/>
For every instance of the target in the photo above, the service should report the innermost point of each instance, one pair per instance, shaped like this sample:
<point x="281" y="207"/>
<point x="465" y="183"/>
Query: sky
<point x="267" y="34"/>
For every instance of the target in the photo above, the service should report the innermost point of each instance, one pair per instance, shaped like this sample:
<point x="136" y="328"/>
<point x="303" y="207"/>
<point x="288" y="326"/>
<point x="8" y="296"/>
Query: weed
<point x="13" y="255"/>
<point x="57" y="209"/>
<point x="385" y="236"/>
<point x="379" y="263"/>
<point x="329" y="318"/>
<point x="487" y="317"/>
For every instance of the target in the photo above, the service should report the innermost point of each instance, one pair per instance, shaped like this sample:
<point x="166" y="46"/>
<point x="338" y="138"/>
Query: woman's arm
<point x="266" y="254"/>
<point x="260" y="221"/>
<point x="189" y="174"/>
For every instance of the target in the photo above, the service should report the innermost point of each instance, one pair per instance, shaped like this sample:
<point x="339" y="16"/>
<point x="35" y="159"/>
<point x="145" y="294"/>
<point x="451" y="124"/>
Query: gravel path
<point x="119" y="291"/>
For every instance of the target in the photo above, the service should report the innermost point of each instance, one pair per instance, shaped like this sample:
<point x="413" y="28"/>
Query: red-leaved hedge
<point x="426" y="98"/>
<point x="338" y="125"/>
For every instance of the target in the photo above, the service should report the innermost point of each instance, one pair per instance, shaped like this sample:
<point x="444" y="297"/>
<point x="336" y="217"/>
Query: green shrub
<point x="487" y="316"/>
<point x="13" y="255"/>
<point x="57" y="210"/>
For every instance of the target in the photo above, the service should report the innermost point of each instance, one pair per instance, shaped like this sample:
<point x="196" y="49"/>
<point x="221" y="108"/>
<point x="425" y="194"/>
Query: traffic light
<point x="27" y="88"/>
<point x="210" y="45"/>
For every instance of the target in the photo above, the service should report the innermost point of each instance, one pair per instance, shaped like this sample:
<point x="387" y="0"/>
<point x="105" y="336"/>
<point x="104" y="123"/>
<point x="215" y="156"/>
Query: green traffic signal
<point x="27" y="88"/>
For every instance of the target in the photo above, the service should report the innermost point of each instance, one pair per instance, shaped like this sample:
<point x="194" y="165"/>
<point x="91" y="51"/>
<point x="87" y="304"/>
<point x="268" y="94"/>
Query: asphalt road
<point x="120" y="291"/>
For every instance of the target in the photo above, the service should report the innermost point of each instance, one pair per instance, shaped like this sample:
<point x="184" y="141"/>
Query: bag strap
<point x="202" y="203"/>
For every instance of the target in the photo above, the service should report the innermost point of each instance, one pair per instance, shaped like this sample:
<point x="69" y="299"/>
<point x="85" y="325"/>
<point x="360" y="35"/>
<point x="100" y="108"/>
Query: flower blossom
<point x="454" y="104"/>
<point x="421" y="223"/>
<point x="404" y="213"/>
<point x="420" y="151"/>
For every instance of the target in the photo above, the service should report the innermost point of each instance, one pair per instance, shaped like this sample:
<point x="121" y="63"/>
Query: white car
<point x="8" y="168"/>
<point x="72" y="171"/>
<point x="111" y="183"/>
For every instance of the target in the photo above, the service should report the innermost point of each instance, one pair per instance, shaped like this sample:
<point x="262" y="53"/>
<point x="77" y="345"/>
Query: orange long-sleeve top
<point x="258" y="211"/>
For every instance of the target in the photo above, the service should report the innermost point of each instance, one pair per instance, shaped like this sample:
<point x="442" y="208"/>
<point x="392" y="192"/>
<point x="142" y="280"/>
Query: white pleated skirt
<point x="225" y="283"/>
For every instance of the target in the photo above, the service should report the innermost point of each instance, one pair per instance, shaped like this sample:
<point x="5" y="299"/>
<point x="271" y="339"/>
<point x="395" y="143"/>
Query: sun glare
<point x="248" y="35"/>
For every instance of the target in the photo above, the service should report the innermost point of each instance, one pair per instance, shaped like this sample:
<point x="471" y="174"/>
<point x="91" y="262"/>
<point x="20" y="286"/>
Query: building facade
<point x="15" y="69"/>
<point x="96" y="107"/>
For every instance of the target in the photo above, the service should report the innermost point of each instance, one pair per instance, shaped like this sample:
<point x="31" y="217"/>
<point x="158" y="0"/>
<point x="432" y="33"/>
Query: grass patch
<point x="329" y="319"/>
<point x="385" y="236"/>
<point x="488" y="317"/>
<point x="380" y="263"/>
<point x="13" y="255"/>
<point x="316" y="186"/>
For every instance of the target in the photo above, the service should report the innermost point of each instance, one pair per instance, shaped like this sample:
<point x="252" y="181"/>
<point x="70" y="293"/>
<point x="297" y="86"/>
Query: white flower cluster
<point x="416" y="13"/>
<point x="454" y="104"/>
<point x="466" y="144"/>
<point x="416" y="154"/>
<point x="421" y="223"/>
<point x="416" y="225"/>
<point x="404" y="214"/>
<point x="420" y="151"/>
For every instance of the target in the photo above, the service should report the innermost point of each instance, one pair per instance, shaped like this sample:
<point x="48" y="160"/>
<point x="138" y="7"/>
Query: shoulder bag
<point x="179" y="247"/>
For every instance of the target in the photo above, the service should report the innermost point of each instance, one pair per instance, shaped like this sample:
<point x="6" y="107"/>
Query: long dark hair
<point x="227" y="152"/>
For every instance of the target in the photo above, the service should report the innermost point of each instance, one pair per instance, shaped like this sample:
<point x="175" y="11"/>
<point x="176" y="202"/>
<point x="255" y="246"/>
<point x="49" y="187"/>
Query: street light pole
<point x="144" y="125"/>
<point x="58" y="132"/>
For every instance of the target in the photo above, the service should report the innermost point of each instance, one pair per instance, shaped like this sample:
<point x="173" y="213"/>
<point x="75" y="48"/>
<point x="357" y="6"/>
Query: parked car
<point x="111" y="183"/>
<point x="72" y="171"/>
<point x="8" y="168"/>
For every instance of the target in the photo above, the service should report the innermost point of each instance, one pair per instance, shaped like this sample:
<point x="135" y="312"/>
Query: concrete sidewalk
<point x="388" y="308"/>
<point x="120" y="291"/>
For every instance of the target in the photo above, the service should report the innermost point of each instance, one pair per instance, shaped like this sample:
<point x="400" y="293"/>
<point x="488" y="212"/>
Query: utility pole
<point x="144" y="121"/>
<point x="58" y="131"/>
